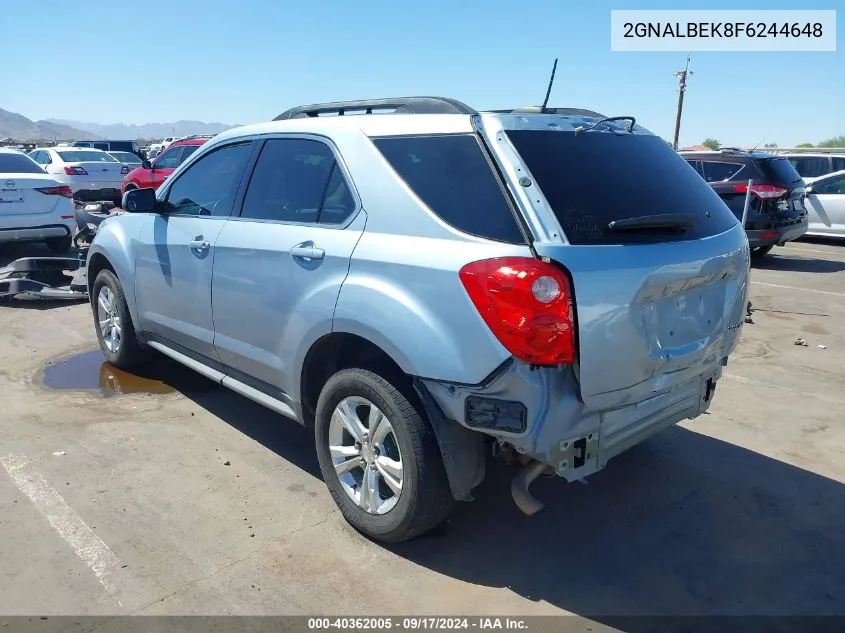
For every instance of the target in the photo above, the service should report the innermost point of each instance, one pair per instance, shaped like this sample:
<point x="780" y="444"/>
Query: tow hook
<point x="520" y="484"/>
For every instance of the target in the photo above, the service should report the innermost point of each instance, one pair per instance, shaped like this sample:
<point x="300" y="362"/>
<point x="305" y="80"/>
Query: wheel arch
<point x="462" y="450"/>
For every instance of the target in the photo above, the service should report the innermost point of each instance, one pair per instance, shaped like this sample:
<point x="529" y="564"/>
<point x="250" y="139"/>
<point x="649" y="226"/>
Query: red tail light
<point x="65" y="191"/>
<point x="764" y="192"/>
<point x="527" y="304"/>
<point x="75" y="171"/>
<point x="124" y="170"/>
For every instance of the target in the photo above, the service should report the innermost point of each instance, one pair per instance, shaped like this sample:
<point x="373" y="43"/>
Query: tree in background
<point x="712" y="143"/>
<point x="805" y="145"/>
<point x="770" y="145"/>
<point x="836" y="141"/>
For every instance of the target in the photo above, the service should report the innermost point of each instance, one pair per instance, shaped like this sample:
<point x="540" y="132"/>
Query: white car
<point x="166" y="142"/>
<point x="816" y="165"/>
<point x="92" y="173"/>
<point x="826" y="205"/>
<point x="127" y="158"/>
<point x="34" y="206"/>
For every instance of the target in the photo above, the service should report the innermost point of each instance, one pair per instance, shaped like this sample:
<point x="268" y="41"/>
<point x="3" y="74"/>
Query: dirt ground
<point x="198" y="501"/>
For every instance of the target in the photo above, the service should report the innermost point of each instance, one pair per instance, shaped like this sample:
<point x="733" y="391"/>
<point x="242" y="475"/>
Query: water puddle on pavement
<point x="90" y="371"/>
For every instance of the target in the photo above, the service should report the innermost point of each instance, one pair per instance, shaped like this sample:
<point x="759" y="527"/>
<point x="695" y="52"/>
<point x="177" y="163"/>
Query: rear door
<point x="280" y="263"/>
<point x="655" y="305"/>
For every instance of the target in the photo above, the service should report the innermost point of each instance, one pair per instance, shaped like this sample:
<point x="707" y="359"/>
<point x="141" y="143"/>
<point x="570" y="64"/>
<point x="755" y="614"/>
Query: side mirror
<point x="146" y="164"/>
<point x="808" y="189"/>
<point x="139" y="201"/>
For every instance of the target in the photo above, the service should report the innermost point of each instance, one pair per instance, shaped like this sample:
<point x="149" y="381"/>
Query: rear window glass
<point x="453" y="177"/>
<point x="597" y="177"/>
<point x="779" y="171"/>
<point x="82" y="156"/>
<point x="187" y="150"/>
<point x="14" y="163"/>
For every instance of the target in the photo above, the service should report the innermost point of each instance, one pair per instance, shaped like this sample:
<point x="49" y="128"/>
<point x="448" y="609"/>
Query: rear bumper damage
<point x="559" y="434"/>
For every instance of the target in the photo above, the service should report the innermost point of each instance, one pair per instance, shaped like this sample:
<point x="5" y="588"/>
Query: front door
<point x="279" y="266"/>
<point x="826" y="206"/>
<point x="176" y="251"/>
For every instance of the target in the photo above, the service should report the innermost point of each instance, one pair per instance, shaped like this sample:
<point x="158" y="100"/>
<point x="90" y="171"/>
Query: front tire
<point x="379" y="458"/>
<point x="113" y="323"/>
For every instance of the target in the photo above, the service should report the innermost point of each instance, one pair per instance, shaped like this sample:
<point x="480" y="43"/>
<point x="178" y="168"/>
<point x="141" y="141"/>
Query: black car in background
<point x="776" y="214"/>
<point x="113" y="146"/>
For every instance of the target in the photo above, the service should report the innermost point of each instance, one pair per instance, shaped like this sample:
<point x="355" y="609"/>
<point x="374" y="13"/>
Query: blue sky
<point x="247" y="60"/>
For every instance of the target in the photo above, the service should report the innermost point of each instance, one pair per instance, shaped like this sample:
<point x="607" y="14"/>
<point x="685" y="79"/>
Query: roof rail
<point x="193" y="136"/>
<point x="733" y="149"/>
<point x="397" y="105"/>
<point x="547" y="110"/>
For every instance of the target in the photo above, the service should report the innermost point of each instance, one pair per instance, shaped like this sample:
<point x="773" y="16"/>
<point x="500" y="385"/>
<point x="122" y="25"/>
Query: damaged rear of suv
<point x="454" y="280"/>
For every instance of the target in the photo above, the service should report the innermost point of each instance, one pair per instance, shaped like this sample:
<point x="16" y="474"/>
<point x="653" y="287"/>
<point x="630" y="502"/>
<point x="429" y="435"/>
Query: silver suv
<point x="423" y="284"/>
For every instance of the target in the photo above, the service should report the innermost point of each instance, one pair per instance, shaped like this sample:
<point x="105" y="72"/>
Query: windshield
<point x="14" y="163"/>
<point x="594" y="178"/>
<point x="82" y="156"/>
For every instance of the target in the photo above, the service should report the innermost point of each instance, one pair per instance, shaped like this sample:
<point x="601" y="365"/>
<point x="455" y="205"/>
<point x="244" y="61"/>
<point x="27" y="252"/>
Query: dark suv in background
<point x="776" y="214"/>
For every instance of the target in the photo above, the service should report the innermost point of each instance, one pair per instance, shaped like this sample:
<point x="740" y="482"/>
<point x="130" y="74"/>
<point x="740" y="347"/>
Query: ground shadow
<point x="288" y="439"/>
<point x="830" y="240"/>
<point x="682" y="525"/>
<point x="799" y="264"/>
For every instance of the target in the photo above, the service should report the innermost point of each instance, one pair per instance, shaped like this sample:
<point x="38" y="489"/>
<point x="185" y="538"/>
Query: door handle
<point x="199" y="244"/>
<point x="307" y="251"/>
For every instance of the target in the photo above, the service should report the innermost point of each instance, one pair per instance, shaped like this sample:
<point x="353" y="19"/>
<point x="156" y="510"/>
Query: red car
<point x="153" y="174"/>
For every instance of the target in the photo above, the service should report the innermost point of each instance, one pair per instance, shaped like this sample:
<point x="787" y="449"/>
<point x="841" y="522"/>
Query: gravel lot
<point x="198" y="501"/>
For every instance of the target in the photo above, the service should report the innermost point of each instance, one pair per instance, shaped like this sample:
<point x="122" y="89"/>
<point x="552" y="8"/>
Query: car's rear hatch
<point x="27" y="194"/>
<point x="98" y="171"/>
<point x="658" y="301"/>
<point x="779" y="173"/>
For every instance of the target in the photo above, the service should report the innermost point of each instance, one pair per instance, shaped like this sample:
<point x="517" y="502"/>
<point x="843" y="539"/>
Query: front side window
<point x="836" y="186"/>
<point x="169" y="159"/>
<point x="297" y="180"/>
<point x="187" y="150"/>
<point x="208" y="187"/>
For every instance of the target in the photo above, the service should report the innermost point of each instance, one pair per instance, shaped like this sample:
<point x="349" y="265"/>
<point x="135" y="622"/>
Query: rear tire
<point x="761" y="251"/>
<point x="406" y="454"/>
<point x="60" y="244"/>
<point x="113" y="323"/>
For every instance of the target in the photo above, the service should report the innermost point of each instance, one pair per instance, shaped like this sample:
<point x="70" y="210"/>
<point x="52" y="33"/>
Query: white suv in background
<point x="816" y="165"/>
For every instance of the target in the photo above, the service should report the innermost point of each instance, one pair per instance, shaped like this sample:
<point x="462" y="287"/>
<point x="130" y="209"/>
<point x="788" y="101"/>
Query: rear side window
<point x="838" y="163"/>
<point x="297" y="180"/>
<point x="597" y="177"/>
<point x="719" y="172"/>
<point x="780" y="172"/>
<point x="810" y="166"/>
<point x="453" y="177"/>
<point x="14" y="163"/>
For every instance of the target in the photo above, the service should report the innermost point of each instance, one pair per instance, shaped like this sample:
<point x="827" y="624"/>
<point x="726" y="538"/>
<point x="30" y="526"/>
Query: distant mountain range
<point x="119" y="131"/>
<point x="18" y="127"/>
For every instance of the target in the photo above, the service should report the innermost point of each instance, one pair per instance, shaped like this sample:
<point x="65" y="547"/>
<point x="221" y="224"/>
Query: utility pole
<point x="682" y="81"/>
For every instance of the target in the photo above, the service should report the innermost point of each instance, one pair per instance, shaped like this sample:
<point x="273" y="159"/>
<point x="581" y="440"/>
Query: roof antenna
<point x="758" y="144"/>
<point x="549" y="89"/>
